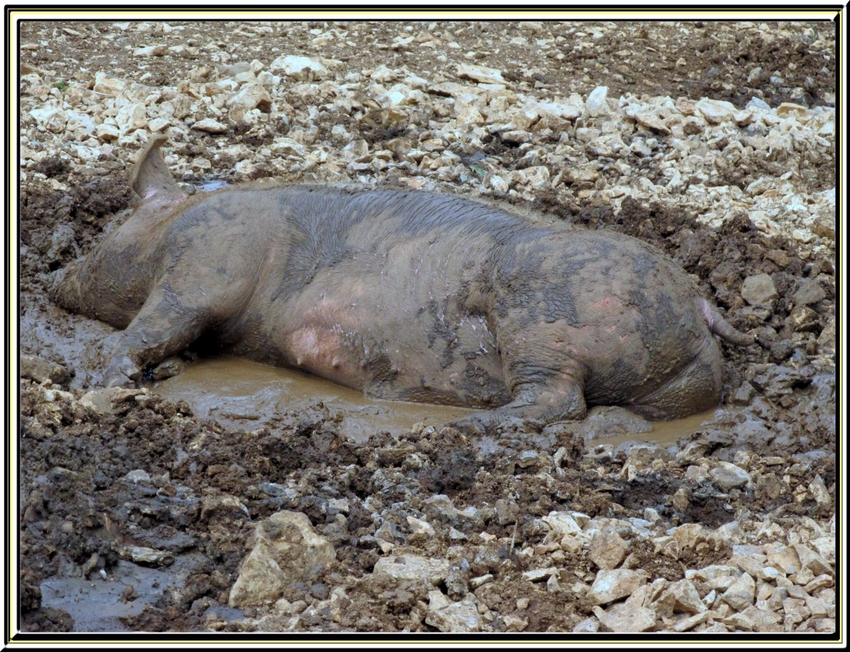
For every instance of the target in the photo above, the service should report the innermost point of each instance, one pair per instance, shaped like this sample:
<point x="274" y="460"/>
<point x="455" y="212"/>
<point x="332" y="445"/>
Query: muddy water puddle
<point x="664" y="432"/>
<point x="246" y="395"/>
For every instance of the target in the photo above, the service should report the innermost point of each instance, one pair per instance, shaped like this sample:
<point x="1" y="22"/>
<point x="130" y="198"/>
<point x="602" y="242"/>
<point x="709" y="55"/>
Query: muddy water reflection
<point x="246" y="395"/>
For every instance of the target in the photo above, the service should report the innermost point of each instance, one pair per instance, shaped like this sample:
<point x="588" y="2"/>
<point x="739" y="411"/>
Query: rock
<point x="597" y="103"/>
<point x="535" y="177"/>
<point x="683" y="597"/>
<point x="250" y="96"/>
<point x="625" y="618"/>
<point x="743" y="118"/>
<point x="52" y="118"/>
<point x="759" y="290"/>
<point x="514" y="623"/>
<point x="739" y="622"/>
<point x="688" y="623"/>
<point x="803" y="318"/>
<point x="103" y="401"/>
<point x="107" y="132"/>
<point x="138" y="476"/>
<point x="453" y="617"/>
<point x="27" y="69"/>
<point x="762" y="620"/>
<point x="817" y="607"/>
<point x="131" y="117"/>
<point x="210" y="126"/>
<point x="812" y="560"/>
<point x="643" y="455"/>
<point x="688" y="535"/>
<point x="466" y="114"/>
<point x="824" y="226"/>
<point x="563" y="110"/>
<point x="420" y="528"/>
<point x="79" y="122"/>
<point x="456" y="584"/>
<point x="648" y="118"/>
<point x="145" y="555"/>
<point x="158" y="124"/>
<point x="785" y="559"/>
<point x="587" y="626"/>
<point x="480" y="74"/>
<point x="778" y="256"/>
<point x="606" y="421"/>
<point x="611" y="585"/>
<point x="744" y="394"/>
<point x="515" y="136"/>
<point x="795" y="610"/>
<point x="741" y="593"/>
<point x="286" y="549"/>
<point x="527" y="459"/>
<point x="789" y="109"/>
<point x="413" y="567"/>
<point x="758" y="103"/>
<point x="819" y="492"/>
<point x="301" y="68"/>
<point x="151" y="51"/>
<point x="107" y="85"/>
<point x="221" y="502"/>
<point x="607" y="549"/>
<point x="726" y="475"/>
<point x="442" y="505"/>
<point x="481" y="580"/>
<point x="39" y="370"/>
<point x="716" y="111"/>
<point x="539" y="574"/>
<point x="755" y="565"/>
<point x="808" y="293"/>
<point x="826" y="341"/>
<point x="562" y="523"/>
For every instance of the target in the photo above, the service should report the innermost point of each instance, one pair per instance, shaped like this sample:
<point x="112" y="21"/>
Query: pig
<point x="404" y="295"/>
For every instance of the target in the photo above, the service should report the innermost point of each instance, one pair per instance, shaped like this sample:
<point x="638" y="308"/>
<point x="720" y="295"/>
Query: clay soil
<point x="81" y="514"/>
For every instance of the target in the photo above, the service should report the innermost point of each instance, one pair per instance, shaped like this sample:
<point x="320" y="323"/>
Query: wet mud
<point x="155" y="472"/>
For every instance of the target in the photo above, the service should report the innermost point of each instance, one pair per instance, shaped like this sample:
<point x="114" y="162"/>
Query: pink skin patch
<point x="605" y="304"/>
<point x="316" y="349"/>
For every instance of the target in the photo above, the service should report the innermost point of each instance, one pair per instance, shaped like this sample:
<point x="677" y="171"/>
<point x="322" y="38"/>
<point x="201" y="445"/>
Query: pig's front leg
<point x="535" y="405"/>
<point x="546" y="384"/>
<point x="165" y="325"/>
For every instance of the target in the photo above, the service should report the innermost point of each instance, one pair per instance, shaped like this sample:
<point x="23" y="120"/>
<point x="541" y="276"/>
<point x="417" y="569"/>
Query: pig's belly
<point x="417" y="355"/>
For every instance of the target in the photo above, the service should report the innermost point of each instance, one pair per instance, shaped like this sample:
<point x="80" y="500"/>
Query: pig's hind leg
<point x="164" y="326"/>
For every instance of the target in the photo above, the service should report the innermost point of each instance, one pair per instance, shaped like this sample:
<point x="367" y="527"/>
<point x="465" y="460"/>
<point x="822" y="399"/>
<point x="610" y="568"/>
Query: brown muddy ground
<point x="160" y="470"/>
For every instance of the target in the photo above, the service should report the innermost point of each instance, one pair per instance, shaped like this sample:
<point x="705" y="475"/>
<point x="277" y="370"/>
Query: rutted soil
<point x="120" y="486"/>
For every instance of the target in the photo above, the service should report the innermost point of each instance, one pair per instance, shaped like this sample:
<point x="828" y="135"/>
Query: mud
<point x="146" y="508"/>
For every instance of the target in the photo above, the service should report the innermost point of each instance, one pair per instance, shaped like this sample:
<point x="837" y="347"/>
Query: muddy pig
<point x="408" y="296"/>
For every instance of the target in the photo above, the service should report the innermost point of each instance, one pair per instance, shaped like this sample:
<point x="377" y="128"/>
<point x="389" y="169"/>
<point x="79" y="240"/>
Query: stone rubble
<point x="678" y="137"/>
<point x="769" y="579"/>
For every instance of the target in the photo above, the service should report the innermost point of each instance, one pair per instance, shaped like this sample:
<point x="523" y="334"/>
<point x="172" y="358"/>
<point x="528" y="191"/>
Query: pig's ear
<point x="151" y="177"/>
